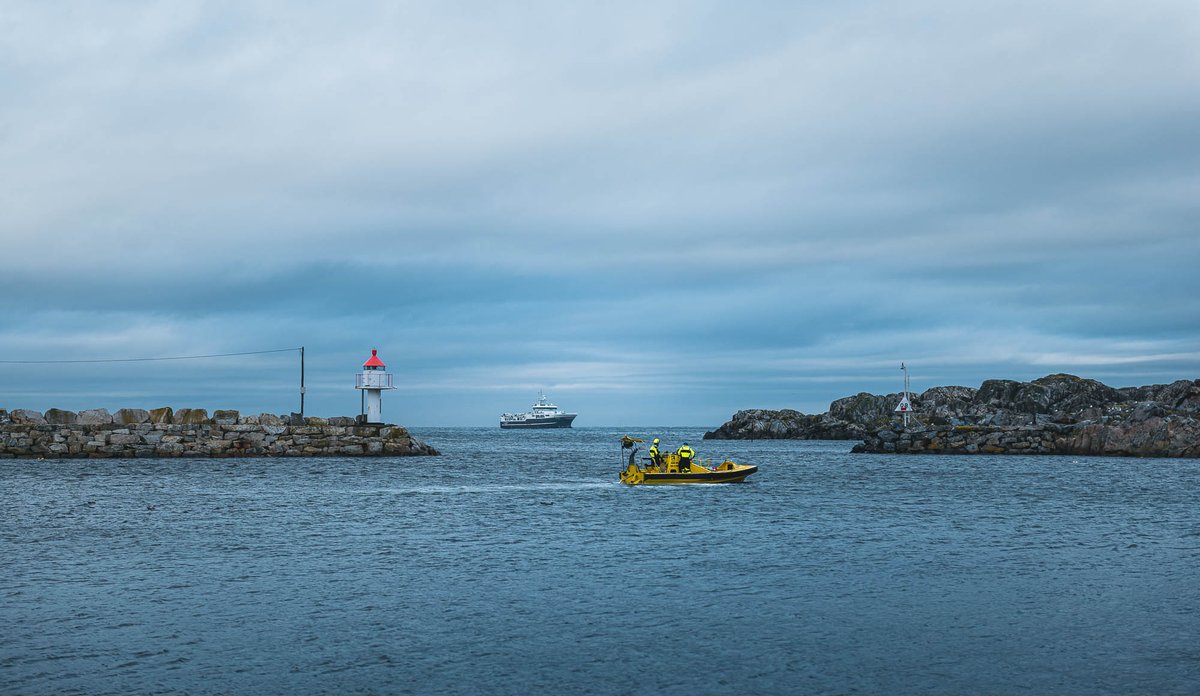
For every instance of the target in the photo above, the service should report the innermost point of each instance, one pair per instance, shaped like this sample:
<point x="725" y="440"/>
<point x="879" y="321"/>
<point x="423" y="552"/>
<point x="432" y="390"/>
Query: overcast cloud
<point x="658" y="213"/>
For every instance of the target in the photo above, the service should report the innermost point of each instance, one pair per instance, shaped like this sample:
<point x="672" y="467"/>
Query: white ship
<point x="543" y="415"/>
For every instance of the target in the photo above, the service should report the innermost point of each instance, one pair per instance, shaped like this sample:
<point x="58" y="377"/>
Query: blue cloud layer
<point x="658" y="214"/>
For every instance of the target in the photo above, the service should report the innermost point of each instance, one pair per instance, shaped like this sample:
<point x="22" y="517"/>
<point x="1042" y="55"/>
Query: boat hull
<point x="555" y="422"/>
<point x="735" y="476"/>
<point x="726" y="473"/>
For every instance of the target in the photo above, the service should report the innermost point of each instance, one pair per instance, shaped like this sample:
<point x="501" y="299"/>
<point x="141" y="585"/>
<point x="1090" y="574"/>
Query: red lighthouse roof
<point x="374" y="361"/>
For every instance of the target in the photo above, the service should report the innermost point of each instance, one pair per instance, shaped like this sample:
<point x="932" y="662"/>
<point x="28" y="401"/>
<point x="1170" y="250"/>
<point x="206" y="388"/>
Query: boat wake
<point x="499" y="488"/>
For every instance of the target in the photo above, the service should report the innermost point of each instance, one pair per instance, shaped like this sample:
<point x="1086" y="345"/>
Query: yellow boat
<point x="670" y="471"/>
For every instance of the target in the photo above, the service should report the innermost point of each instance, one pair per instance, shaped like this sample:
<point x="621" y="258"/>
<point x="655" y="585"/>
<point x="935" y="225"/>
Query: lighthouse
<point x="372" y="381"/>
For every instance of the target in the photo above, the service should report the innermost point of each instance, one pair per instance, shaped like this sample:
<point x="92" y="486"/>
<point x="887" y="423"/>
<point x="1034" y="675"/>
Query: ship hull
<point x="528" y="423"/>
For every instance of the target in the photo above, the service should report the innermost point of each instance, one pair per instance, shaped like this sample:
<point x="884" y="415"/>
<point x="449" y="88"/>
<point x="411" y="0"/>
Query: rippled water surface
<point x="515" y="562"/>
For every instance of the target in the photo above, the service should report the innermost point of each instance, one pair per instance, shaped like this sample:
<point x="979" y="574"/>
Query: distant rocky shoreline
<point x="1056" y="414"/>
<point x="190" y="432"/>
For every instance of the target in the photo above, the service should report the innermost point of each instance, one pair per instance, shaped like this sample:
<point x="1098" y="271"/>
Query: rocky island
<point x="190" y="432"/>
<point x="1056" y="414"/>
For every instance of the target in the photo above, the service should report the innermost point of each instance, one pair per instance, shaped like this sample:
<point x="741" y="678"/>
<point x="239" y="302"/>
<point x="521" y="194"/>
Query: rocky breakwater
<point x="1057" y="414"/>
<point x="163" y="432"/>
<point x="849" y="418"/>
<point x="785" y="424"/>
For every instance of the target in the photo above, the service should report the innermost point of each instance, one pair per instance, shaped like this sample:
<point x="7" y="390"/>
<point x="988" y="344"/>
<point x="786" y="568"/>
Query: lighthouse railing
<point x="373" y="380"/>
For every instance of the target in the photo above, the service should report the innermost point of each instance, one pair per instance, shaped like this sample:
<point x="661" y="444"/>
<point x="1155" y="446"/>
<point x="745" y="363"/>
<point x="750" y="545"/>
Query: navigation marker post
<point x="904" y="406"/>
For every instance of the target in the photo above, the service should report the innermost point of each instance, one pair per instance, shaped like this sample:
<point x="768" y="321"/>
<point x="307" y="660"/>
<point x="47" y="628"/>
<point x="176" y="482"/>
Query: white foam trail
<point x="501" y="488"/>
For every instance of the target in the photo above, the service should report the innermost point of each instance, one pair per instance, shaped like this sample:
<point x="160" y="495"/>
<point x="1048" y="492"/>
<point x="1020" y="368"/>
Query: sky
<point x="655" y="212"/>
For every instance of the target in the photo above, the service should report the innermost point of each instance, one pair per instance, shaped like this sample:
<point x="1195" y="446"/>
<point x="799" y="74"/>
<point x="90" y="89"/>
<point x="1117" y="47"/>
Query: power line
<point x="116" y="360"/>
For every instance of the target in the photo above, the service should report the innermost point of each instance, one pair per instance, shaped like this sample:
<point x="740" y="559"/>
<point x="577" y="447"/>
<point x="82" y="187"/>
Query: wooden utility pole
<point x="302" y="382"/>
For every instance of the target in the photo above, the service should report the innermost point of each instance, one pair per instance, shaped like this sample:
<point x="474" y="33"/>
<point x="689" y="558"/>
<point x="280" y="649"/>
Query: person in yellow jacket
<point x="686" y="454"/>
<point x="655" y="455"/>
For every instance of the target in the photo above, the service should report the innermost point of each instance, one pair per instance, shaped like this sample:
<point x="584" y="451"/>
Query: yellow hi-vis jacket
<point x="686" y="452"/>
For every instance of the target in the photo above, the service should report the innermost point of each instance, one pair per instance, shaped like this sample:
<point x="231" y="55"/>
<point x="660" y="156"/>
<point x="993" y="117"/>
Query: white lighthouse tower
<point x="372" y="381"/>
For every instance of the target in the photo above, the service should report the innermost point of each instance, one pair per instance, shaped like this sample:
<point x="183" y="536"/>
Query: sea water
<point x="516" y="563"/>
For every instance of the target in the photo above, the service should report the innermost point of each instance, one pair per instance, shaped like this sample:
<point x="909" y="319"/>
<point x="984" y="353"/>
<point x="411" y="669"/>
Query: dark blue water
<point x="517" y="563"/>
